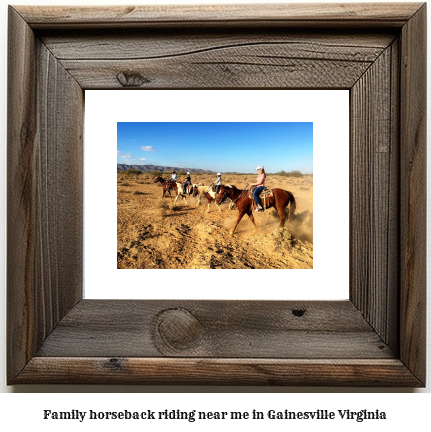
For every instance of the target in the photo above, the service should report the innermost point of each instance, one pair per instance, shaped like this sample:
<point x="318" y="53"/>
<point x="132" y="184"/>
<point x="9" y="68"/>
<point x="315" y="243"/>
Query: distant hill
<point x="147" y="168"/>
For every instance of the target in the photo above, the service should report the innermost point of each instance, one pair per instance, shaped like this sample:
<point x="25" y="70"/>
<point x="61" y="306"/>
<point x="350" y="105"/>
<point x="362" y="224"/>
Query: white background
<point x="329" y="113"/>
<point x="25" y="410"/>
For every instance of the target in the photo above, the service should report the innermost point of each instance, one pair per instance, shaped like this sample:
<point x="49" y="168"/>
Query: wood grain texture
<point x="413" y="194"/>
<point x="374" y="195"/>
<point x="144" y="45"/>
<point x="59" y="171"/>
<point x="282" y="64"/>
<point x="376" y="338"/>
<point x="44" y="194"/>
<point x="308" y="15"/>
<point x="226" y="329"/>
<point x="210" y="59"/>
<point x="329" y="372"/>
<point x="21" y="194"/>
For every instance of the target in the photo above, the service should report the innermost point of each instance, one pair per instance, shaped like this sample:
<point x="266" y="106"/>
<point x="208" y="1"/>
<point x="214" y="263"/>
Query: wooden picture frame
<point x="376" y="338"/>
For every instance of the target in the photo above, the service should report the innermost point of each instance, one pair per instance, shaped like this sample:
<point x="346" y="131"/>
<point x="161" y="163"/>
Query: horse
<point x="168" y="186"/>
<point x="207" y="191"/>
<point x="280" y="200"/>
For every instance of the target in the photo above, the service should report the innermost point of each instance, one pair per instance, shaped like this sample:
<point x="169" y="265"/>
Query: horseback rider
<point x="260" y="185"/>
<point x="173" y="179"/>
<point x="218" y="182"/>
<point x="187" y="182"/>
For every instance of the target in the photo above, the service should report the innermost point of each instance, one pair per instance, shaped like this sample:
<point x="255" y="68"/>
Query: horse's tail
<point x="292" y="207"/>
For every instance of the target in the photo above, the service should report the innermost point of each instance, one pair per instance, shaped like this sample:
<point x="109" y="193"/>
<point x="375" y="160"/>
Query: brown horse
<point x="169" y="186"/>
<point x="241" y="198"/>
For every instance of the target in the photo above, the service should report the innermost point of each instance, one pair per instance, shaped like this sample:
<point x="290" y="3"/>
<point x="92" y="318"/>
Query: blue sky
<point x="224" y="147"/>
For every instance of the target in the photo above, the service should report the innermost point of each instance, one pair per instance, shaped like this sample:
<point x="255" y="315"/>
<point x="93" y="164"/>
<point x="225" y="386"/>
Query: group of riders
<point x="259" y="185"/>
<point x="187" y="182"/>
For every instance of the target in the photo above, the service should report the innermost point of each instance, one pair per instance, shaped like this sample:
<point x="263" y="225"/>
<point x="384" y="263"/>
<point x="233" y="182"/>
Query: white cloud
<point x="148" y="148"/>
<point x="142" y="159"/>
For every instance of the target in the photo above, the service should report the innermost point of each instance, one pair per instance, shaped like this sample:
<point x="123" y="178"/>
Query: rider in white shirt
<point x="218" y="182"/>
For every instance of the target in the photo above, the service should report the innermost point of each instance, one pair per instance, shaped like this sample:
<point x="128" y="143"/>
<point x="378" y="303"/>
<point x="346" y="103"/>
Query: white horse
<point x="180" y="193"/>
<point x="207" y="191"/>
<point x="189" y="189"/>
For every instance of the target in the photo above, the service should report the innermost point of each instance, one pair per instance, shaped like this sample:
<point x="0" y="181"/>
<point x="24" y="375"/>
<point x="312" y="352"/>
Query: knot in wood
<point x="178" y="329"/>
<point x="131" y="79"/>
<point x="115" y="363"/>
<point x="298" y="312"/>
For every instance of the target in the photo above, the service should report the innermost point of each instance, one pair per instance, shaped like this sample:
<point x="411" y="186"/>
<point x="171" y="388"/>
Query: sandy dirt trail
<point x="152" y="235"/>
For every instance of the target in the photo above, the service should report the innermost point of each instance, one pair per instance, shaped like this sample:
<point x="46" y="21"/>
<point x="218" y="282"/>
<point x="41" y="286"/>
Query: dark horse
<point x="241" y="198"/>
<point x="168" y="186"/>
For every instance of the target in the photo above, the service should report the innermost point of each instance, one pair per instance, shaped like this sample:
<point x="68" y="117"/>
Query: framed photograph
<point x="375" y="337"/>
<point x="196" y="239"/>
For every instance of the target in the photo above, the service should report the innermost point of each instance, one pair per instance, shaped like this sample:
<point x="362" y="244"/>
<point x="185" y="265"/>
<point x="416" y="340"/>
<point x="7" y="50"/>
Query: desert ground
<point x="154" y="234"/>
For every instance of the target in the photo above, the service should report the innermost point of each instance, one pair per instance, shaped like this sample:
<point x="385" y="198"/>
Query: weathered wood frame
<point x="376" y="338"/>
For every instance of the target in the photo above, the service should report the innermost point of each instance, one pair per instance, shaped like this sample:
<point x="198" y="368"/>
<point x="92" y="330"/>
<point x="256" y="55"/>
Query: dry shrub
<point x="283" y="243"/>
<point x="282" y="239"/>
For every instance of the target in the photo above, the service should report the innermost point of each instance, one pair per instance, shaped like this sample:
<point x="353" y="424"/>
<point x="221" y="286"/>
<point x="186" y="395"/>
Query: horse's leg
<point x="175" y="200"/>
<point x="250" y="215"/>
<point x="209" y="203"/>
<point x="281" y="213"/>
<point x="241" y="214"/>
